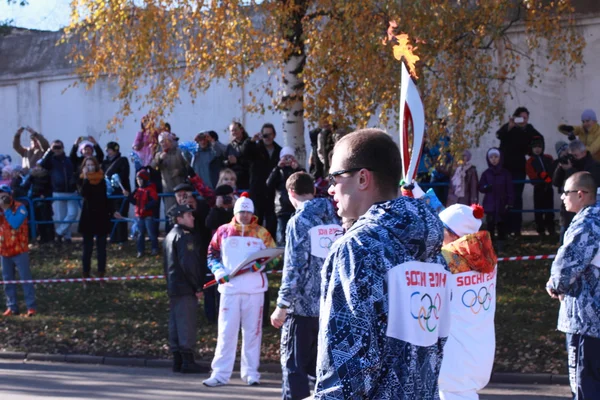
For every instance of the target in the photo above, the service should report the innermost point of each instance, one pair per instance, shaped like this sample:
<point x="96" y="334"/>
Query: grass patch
<point x="130" y="318"/>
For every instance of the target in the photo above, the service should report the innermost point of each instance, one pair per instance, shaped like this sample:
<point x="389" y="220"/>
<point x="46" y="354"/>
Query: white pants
<point x="468" y="395"/>
<point x="64" y="210"/>
<point x="234" y="309"/>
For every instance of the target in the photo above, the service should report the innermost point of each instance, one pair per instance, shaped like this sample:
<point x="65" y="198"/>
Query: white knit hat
<point x="244" y="203"/>
<point x="462" y="220"/>
<point x="287" y="151"/>
<point x="84" y="144"/>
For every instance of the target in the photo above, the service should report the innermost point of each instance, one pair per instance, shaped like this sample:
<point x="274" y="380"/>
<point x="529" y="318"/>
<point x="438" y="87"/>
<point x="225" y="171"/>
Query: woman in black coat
<point x="115" y="164"/>
<point x="95" y="215"/>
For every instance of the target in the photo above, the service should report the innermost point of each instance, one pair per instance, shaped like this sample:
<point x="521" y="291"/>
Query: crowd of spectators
<point x="89" y="186"/>
<point x="256" y="163"/>
<point x="519" y="159"/>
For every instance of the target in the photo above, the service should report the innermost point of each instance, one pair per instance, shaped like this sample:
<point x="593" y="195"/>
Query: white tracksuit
<point x="469" y="351"/>
<point x="242" y="299"/>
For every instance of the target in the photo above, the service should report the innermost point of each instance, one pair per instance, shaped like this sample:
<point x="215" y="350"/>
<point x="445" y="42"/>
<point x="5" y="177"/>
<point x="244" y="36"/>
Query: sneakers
<point x="253" y="382"/>
<point x="154" y="252"/>
<point x="212" y="382"/>
<point x="31" y="312"/>
<point x="9" y="313"/>
<point x="139" y="255"/>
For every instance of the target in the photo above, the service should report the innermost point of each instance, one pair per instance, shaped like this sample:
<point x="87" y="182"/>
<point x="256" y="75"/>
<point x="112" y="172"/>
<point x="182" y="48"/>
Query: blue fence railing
<point x="33" y="222"/>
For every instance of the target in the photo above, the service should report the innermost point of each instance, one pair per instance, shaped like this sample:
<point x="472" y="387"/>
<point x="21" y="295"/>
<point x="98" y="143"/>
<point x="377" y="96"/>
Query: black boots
<point x="177" y="361"/>
<point x="188" y="365"/>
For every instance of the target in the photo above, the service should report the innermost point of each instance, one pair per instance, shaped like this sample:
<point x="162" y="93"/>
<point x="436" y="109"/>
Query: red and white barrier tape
<point x="152" y="277"/>
<point x="527" y="258"/>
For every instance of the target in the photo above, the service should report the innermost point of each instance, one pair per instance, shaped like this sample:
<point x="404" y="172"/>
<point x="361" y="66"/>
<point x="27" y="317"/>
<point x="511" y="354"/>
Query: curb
<point x="497" y="377"/>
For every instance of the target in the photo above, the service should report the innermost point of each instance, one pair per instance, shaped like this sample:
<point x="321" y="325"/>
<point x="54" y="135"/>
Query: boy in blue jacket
<point x="310" y="232"/>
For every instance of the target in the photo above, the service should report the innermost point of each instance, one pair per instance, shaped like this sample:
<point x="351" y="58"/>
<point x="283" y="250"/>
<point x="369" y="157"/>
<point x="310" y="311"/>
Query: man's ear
<point x="365" y="179"/>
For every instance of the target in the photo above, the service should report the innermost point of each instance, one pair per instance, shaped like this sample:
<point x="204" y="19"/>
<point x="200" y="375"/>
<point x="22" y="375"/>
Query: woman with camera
<point x="96" y="214"/>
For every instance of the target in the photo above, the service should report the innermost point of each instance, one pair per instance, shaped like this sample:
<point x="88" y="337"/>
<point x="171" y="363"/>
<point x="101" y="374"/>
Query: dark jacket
<point x="515" y="144"/>
<point x="262" y="165"/>
<point x="62" y="172"/>
<point x="202" y="233"/>
<point x="38" y="183"/>
<point x="276" y="181"/>
<point x="217" y="217"/>
<point x="118" y="165"/>
<point x="78" y="159"/>
<point x="243" y="152"/>
<point x="496" y="184"/>
<point x="96" y="212"/>
<point x="182" y="262"/>
<point x="540" y="168"/>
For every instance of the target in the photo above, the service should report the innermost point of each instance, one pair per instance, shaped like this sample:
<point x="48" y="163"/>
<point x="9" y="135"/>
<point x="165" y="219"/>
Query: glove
<point x="256" y="266"/>
<point x="221" y="276"/>
<point x="487" y="188"/>
<point x="571" y="137"/>
<point x="545" y="177"/>
<point x="567" y="128"/>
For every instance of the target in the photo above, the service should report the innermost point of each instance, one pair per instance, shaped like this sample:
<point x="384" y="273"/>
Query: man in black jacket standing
<point x="182" y="264"/>
<point x="515" y="144"/>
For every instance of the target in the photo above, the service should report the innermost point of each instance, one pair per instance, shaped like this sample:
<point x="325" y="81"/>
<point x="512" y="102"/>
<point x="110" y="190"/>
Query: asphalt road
<point x="38" y="380"/>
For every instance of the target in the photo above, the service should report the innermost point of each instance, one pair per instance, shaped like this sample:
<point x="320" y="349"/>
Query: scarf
<point x="94" y="177"/>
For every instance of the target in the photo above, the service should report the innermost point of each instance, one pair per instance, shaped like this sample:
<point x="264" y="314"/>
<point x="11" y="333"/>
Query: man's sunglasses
<point x="331" y="177"/>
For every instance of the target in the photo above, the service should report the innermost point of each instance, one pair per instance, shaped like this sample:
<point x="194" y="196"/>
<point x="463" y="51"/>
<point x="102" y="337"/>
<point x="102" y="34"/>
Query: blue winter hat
<point x="589" y="114"/>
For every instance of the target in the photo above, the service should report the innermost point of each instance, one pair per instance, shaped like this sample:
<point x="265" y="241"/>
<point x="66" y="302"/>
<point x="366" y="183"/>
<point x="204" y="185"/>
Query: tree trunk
<point x="292" y="102"/>
<point x="293" y="117"/>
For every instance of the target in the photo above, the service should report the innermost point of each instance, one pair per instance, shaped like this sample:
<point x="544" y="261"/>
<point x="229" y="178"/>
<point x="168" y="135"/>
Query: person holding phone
<point x="37" y="147"/>
<point x="515" y="144"/>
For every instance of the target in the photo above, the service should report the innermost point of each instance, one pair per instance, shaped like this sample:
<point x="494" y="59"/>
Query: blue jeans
<point x="146" y="224"/>
<point x="64" y="210"/>
<point x="21" y="263"/>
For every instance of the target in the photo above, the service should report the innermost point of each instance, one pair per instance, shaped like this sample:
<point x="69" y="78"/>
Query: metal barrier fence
<point x="33" y="222"/>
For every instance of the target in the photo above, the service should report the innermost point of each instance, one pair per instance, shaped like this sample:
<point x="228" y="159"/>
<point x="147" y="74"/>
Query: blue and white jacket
<point x="575" y="273"/>
<point x="310" y="233"/>
<point x="384" y="306"/>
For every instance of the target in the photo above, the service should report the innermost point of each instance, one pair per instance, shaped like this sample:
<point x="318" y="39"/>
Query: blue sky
<point x="38" y="14"/>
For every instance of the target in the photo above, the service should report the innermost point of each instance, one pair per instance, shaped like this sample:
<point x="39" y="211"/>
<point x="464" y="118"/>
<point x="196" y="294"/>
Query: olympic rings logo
<point x="326" y="242"/>
<point x="427" y="310"/>
<point x="482" y="300"/>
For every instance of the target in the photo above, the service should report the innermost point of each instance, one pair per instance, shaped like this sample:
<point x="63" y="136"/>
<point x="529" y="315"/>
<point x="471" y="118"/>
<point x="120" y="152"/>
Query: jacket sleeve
<point x="274" y="178"/>
<point x="483" y="182"/>
<point x="44" y="145"/>
<point x="73" y="156"/>
<point x="99" y="153"/>
<point x="501" y="133"/>
<point x="558" y="176"/>
<point x="580" y="247"/>
<point x="17" y="146"/>
<point x="296" y="256"/>
<point x="351" y="328"/>
<point x="47" y="160"/>
<point x="190" y="262"/>
<point x="214" y="260"/>
<point x="15" y="219"/>
<point x="530" y="169"/>
<point x="472" y="186"/>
